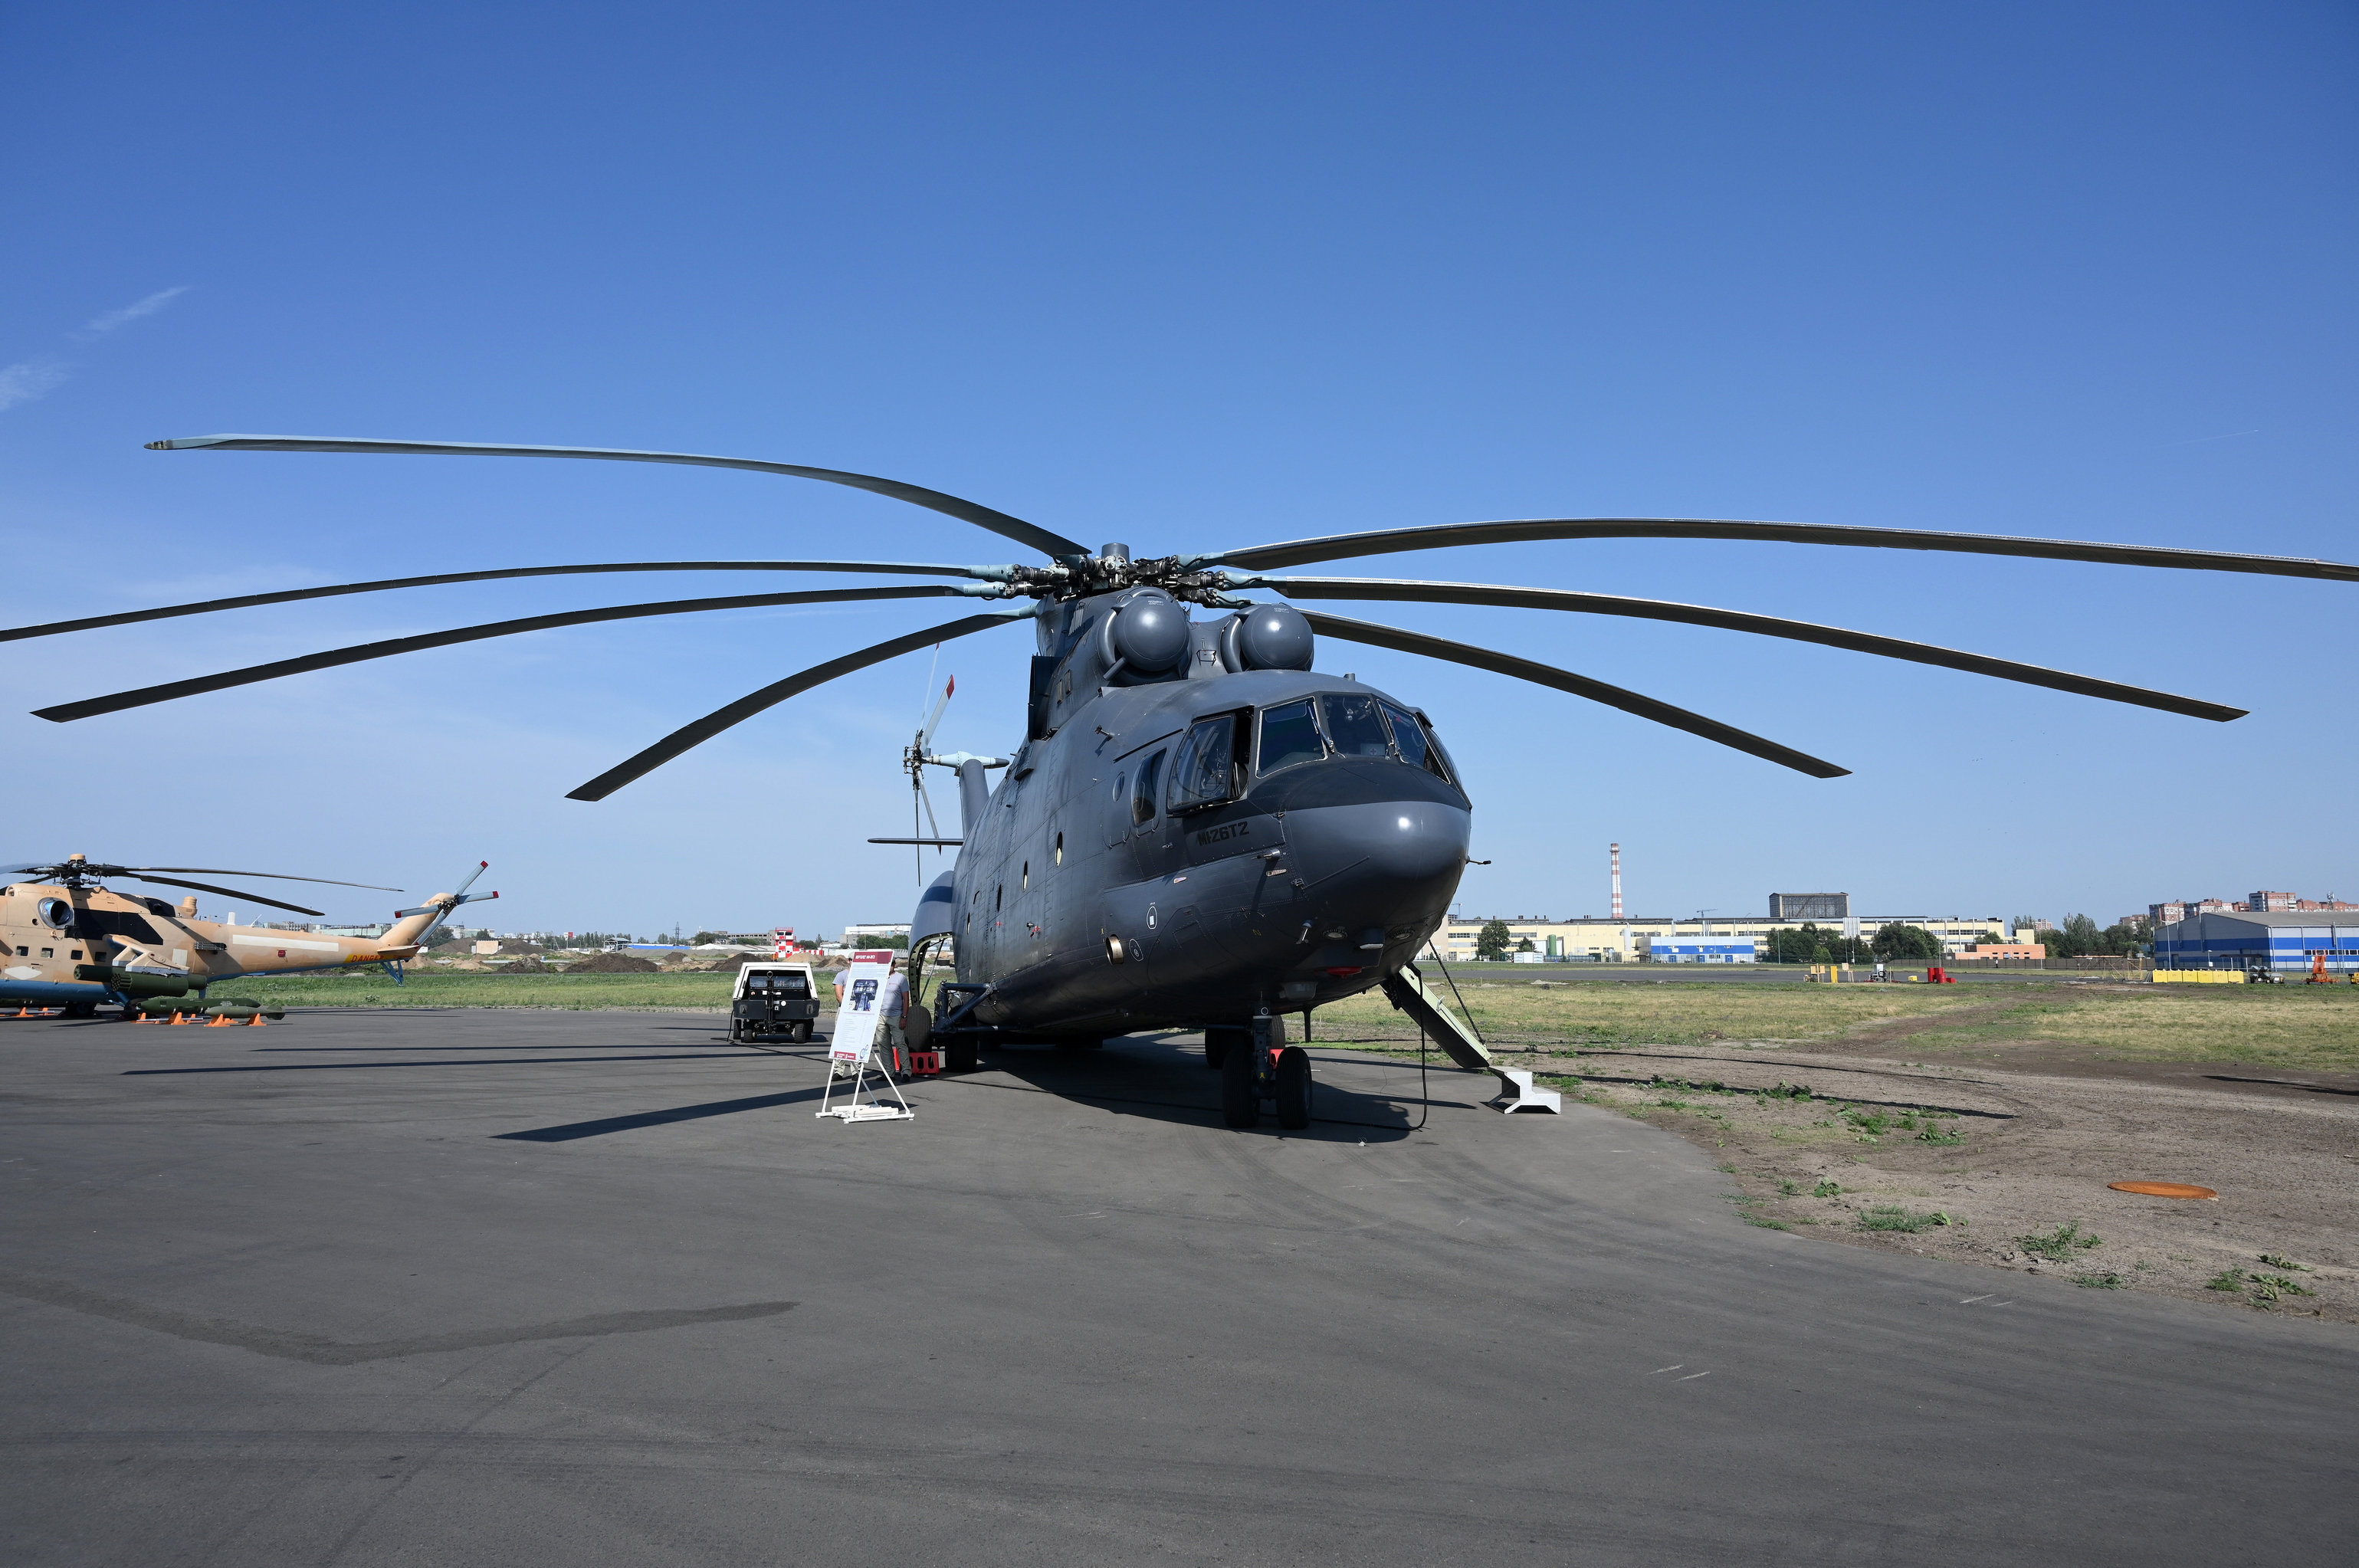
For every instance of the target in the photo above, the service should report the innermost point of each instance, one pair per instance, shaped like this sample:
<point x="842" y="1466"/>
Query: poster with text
<point x="856" y="1019"/>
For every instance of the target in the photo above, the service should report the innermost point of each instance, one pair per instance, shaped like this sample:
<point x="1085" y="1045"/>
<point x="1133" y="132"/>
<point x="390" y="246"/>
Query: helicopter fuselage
<point x="79" y="946"/>
<point x="1199" y="845"/>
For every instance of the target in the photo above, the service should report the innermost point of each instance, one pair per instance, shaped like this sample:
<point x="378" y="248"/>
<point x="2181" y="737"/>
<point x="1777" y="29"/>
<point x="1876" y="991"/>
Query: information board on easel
<point x="853" y="1041"/>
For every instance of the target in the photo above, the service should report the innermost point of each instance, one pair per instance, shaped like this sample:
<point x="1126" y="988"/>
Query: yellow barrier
<point x="2198" y="977"/>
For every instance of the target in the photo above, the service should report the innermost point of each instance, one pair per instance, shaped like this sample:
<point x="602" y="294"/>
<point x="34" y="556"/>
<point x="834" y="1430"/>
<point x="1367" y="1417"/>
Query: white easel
<point x="853" y="1043"/>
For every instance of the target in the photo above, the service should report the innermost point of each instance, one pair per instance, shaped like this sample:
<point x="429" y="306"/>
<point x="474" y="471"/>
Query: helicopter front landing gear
<point x="1256" y="1065"/>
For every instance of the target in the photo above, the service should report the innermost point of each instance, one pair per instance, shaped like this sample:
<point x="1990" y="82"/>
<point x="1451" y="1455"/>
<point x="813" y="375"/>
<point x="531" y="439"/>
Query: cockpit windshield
<point x="1419" y="745"/>
<point x="1289" y="736"/>
<point x="1353" y="724"/>
<point x="1345" y="723"/>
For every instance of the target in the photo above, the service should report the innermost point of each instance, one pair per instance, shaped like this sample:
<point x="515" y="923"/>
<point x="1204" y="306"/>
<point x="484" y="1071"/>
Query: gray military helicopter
<point x="1199" y="829"/>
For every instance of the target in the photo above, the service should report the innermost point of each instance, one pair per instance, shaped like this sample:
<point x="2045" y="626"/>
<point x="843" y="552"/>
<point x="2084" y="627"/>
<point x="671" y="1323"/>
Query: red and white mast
<point x="1615" y="853"/>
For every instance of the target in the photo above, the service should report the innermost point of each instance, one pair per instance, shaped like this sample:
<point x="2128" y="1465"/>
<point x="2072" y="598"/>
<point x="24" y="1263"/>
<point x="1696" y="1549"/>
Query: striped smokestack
<point x="1615" y="853"/>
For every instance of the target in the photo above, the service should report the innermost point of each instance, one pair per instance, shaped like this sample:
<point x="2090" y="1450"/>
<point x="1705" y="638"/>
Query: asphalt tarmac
<point x="525" y="1288"/>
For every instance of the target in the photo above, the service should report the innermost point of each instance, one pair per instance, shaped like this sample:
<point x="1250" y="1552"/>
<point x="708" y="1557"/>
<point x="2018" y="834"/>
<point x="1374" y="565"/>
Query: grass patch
<point x="2263" y="1291"/>
<point x="2095" y="1282"/>
<point x="374" y="989"/>
<point x="2058" y="1245"/>
<point x="1892" y="1216"/>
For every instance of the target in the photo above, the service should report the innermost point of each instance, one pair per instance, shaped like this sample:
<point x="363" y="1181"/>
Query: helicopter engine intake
<point x="1148" y="635"/>
<point x="1267" y="637"/>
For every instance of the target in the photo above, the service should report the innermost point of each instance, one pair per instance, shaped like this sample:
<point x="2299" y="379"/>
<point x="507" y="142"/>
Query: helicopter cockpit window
<point x="1437" y="761"/>
<point x="1289" y="736"/>
<point x="116" y="922"/>
<point x="1206" y="771"/>
<point x="1408" y="737"/>
<point x="1354" y="725"/>
<point x="1150" y="778"/>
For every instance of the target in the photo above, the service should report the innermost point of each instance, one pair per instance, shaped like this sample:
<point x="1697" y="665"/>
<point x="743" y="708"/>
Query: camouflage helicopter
<point x="75" y="945"/>
<point x="1199" y="829"/>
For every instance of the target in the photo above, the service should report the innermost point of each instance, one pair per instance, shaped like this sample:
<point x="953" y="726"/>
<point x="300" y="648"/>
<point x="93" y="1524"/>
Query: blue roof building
<point x="1692" y="947"/>
<point x="2284" y="942"/>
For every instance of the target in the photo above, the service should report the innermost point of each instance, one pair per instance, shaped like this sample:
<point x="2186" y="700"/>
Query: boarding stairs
<point x="1408" y="992"/>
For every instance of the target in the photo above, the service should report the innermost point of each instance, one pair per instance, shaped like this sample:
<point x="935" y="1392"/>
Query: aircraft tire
<point x="1293" y="1088"/>
<point x="1240" y="1095"/>
<point x="801" y="1032"/>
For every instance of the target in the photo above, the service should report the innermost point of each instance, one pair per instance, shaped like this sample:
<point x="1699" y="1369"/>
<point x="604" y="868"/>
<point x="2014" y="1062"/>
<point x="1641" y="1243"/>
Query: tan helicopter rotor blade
<point x="769" y="696"/>
<point x="288" y="596"/>
<point x="1579" y="685"/>
<point x="65" y="712"/>
<point x="1016" y="529"/>
<point x="229" y="892"/>
<point x="271" y="876"/>
<point x="1738" y="621"/>
<point x="1336" y="547"/>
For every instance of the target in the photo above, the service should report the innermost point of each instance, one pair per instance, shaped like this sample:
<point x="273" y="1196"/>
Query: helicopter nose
<point x="1393" y="841"/>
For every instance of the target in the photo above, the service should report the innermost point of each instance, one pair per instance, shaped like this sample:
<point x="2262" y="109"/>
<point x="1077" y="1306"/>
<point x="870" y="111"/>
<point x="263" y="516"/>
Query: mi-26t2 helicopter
<point x="1199" y="829"/>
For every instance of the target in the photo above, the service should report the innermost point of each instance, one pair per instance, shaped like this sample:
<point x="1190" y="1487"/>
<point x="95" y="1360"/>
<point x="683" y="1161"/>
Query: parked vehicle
<point x="774" y="1000"/>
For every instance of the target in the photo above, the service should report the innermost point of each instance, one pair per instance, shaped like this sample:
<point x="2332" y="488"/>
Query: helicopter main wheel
<point x="82" y="1009"/>
<point x="1220" y="1040"/>
<point x="1293" y="1088"/>
<point x="1240" y="1095"/>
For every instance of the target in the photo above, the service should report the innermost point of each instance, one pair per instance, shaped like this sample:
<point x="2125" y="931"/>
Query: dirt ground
<point x="2020" y="1144"/>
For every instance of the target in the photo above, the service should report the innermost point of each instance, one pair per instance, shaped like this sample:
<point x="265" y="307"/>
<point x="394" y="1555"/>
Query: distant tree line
<point x="2079" y="937"/>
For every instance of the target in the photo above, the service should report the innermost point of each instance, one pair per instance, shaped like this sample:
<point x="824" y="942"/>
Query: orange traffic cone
<point x="219" y="1020"/>
<point x="255" y="1022"/>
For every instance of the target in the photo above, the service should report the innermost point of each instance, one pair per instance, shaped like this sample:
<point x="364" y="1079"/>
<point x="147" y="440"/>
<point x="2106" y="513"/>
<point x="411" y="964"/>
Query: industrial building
<point x="1592" y="939"/>
<point x="2284" y="942"/>
<point x="1695" y="947"/>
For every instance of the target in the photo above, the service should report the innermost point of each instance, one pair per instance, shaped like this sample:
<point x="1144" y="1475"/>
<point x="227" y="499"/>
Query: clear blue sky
<point x="1188" y="278"/>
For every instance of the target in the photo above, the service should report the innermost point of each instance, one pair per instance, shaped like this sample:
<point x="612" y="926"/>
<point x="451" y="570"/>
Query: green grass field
<point x="2287" y="1025"/>
<point x="2290" y="1025"/>
<point x="700" y="993"/>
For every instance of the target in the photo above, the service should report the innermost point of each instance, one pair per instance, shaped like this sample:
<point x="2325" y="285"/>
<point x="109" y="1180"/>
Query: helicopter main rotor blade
<point x="225" y="871"/>
<point x="231" y="892"/>
<point x="1336" y="547"/>
<point x="982" y="517"/>
<point x="248" y="601"/>
<point x="91" y="707"/>
<point x="1739" y="621"/>
<point x="769" y="696"/>
<point x="1579" y="685"/>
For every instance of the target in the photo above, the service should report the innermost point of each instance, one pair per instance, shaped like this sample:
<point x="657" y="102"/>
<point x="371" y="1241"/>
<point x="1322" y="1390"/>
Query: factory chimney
<point x="1614" y="851"/>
